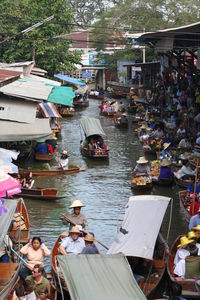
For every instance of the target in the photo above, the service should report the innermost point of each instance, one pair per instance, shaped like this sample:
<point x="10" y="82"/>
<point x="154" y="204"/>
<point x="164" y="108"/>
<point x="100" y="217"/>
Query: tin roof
<point x="7" y="76"/>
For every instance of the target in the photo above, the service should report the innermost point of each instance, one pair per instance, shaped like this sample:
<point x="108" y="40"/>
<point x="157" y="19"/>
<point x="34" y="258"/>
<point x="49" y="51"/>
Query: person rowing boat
<point x="63" y="161"/>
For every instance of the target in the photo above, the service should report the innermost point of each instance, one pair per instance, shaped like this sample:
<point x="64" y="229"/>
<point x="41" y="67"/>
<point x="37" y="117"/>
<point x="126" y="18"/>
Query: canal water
<point x="104" y="187"/>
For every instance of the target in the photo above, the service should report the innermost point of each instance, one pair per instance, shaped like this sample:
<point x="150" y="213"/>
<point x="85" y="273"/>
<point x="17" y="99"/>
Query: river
<point x="104" y="187"/>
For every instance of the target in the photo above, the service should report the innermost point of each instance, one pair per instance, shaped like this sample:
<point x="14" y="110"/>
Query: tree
<point x="51" y="51"/>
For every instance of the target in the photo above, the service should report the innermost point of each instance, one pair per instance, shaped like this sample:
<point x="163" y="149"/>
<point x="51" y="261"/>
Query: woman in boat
<point x="29" y="182"/>
<point x="64" y="161"/>
<point x="142" y="167"/>
<point x="165" y="171"/>
<point x="165" y="152"/>
<point x="35" y="252"/>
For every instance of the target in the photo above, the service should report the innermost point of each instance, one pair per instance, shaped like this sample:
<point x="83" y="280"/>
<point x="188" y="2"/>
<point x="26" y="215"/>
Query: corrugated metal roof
<point x="8" y="75"/>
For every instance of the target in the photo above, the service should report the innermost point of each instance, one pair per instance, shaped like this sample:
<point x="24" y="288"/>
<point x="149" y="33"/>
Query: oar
<point x="74" y="224"/>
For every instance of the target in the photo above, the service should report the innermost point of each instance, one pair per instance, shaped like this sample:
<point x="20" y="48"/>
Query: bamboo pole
<point x="195" y="183"/>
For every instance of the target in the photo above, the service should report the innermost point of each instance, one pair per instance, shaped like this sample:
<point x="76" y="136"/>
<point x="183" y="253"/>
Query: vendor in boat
<point x="142" y="167"/>
<point x="197" y="233"/>
<point x="165" y="171"/>
<point x="76" y="216"/>
<point x="195" y="220"/>
<point x="184" y="143"/>
<point x="72" y="244"/>
<point x="185" y="170"/>
<point x="165" y="152"/>
<point x="158" y="133"/>
<point x="90" y="247"/>
<point x="64" y="161"/>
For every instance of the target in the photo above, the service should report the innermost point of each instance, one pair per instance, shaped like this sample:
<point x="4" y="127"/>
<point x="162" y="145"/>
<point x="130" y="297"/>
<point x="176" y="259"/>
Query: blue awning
<point x="70" y="80"/>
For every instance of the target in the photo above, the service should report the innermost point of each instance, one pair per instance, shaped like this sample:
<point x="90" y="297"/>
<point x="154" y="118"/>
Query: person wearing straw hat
<point x="165" y="153"/>
<point x="64" y="161"/>
<point x="142" y="167"/>
<point x="165" y="171"/>
<point x="76" y="216"/>
<point x="72" y="244"/>
<point x="196" y="230"/>
<point x="195" y="220"/>
<point x="181" y="254"/>
<point x="90" y="247"/>
<point x="193" y="236"/>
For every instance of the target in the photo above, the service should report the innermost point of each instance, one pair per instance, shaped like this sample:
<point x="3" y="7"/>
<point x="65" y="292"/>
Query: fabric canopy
<point x="9" y="186"/>
<point x="49" y="110"/>
<point x="70" y="80"/>
<point x="98" y="277"/>
<point x="62" y="95"/>
<point x="14" y="131"/>
<point x="7" y="217"/>
<point x="142" y="221"/>
<point x="91" y="126"/>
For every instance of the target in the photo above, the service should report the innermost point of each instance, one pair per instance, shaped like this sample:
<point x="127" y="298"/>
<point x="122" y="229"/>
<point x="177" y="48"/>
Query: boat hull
<point x="40" y="193"/>
<point x="87" y="153"/>
<point x="9" y="284"/>
<point x="43" y="157"/>
<point x="181" y="182"/>
<point x="54" y="172"/>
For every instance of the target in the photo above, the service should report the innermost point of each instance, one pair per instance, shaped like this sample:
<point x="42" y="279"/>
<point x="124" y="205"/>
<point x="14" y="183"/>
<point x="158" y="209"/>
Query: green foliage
<point x="51" y="52"/>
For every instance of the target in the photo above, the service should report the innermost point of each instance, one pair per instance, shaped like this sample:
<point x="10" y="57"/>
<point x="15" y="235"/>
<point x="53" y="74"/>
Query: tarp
<point x="62" y="95"/>
<point x="91" y="126"/>
<point x="107" y="277"/>
<point x="14" y="131"/>
<point x="49" y="110"/>
<point x="70" y="80"/>
<point x="6" y="218"/>
<point x="142" y="221"/>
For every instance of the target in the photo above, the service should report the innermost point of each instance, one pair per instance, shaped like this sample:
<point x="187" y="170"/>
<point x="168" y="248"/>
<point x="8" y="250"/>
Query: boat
<point x="66" y="111"/>
<point x="181" y="182"/>
<point x="184" y="201"/>
<point x="97" y="97"/>
<point x="118" y="124"/>
<point x="189" y="288"/>
<point x="44" y="157"/>
<point x="40" y="193"/>
<point x="143" y="244"/>
<point x="164" y="182"/>
<point x="70" y="170"/>
<point x="108" y="113"/>
<point x="80" y="103"/>
<point x="93" y="135"/>
<point x="141" y="183"/>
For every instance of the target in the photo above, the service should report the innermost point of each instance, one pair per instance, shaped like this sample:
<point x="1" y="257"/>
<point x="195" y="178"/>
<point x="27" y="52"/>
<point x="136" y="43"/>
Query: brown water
<point x="104" y="187"/>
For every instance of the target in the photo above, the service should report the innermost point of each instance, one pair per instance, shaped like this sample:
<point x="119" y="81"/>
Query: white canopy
<point x="91" y="126"/>
<point x="142" y="221"/>
<point x="14" y="131"/>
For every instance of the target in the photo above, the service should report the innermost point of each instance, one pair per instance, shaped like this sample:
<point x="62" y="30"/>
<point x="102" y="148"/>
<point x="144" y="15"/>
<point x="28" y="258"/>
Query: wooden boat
<point x="189" y="289"/>
<point x="185" y="204"/>
<point x="182" y="183"/>
<point x="147" y="150"/>
<point x="40" y="193"/>
<point x="108" y="113"/>
<point x="97" y="97"/>
<point x="71" y="170"/>
<point x="8" y="278"/>
<point x="164" y="182"/>
<point x="44" y="157"/>
<point x="80" y="103"/>
<point x="101" y="154"/>
<point x="67" y="112"/>
<point x="118" y="124"/>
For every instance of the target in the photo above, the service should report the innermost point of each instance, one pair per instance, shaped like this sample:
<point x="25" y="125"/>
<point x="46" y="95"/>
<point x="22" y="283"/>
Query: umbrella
<point x="8" y="185"/>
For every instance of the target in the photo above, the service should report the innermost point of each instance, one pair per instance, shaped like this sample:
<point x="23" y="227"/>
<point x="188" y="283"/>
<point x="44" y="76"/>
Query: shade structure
<point x="71" y="80"/>
<point x="98" y="277"/>
<point x="49" y="110"/>
<point x="6" y="218"/>
<point x="14" y="131"/>
<point x="8" y="155"/>
<point x="62" y="95"/>
<point x="91" y="126"/>
<point x="8" y="185"/>
<point x="139" y="230"/>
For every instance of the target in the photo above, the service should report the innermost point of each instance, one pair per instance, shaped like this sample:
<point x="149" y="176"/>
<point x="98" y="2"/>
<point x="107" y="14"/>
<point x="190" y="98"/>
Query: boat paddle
<point x="67" y="218"/>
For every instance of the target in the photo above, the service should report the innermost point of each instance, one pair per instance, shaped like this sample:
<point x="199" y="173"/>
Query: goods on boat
<point x="67" y="111"/>
<point x="185" y="202"/>
<point x="142" y="252"/>
<point x="71" y="170"/>
<point x="40" y="193"/>
<point x="189" y="286"/>
<point x="155" y="168"/>
<point x="95" y="96"/>
<point x="141" y="183"/>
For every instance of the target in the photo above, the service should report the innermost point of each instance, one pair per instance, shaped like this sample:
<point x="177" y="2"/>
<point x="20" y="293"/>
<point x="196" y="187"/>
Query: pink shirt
<point x="35" y="256"/>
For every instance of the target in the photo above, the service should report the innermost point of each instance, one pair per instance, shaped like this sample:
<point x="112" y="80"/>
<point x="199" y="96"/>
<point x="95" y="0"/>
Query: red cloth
<point x="50" y="148"/>
<point x="196" y="208"/>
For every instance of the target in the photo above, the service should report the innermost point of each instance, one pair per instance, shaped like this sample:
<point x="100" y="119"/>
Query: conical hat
<point x="142" y="160"/>
<point x="166" y="145"/>
<point x="165" y="162"/>
<point x="76" y="203"/>
<point x="184" y="241"/>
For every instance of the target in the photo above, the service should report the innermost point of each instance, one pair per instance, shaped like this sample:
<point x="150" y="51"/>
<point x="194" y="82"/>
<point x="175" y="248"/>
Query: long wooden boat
<point x="185" y="204"/>
<point x="182" y="183"/>
<point x="80" y="104"/>
<point x="99" y="97"/>
<point x="66" y="112"/>
<point x="8" y="279"/>
<point x="118" y="124"/>
<point x="104" y="154"/>
<point x="41" y="193"/>
<point x="71" y="170"/>
<point x="44" y="157"/>
<point x="189" y="289"/>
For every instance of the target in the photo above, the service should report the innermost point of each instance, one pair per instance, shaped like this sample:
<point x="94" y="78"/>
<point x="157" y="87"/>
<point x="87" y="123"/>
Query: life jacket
<point x="19" y="220"/>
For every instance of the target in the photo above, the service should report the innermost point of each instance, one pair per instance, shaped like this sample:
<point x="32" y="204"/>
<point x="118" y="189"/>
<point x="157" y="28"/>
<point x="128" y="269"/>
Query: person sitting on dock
<point x="165" y="171"/>
<point x="38" y="280"/>
<point x="142" y="167"/>
<point x="72" y="244"/>
<point x="90" y="247"/>
<point x="64" y="161"/>
<point x="195" y="220"/>
<point x="76" y="217"/>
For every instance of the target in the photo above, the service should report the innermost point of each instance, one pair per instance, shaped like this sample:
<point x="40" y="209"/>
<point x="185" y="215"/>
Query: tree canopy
<point x="51" y="52"/>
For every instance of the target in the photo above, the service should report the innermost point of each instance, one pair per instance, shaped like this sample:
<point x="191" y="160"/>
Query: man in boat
<point x="165" y="171"/>
<point x="185" y="170"/>
<point x="38" y="280"/>
<point x="195" y="220"/>
<point x="64" y="161"/>
<point x="142" y="167"/>
<point x="90" y="247"/>
<point x="76" y="216"/>
<point x="72" y="244"/>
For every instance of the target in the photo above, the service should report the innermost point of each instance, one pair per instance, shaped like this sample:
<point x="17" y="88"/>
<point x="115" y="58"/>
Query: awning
<point x="137" y="237"/>
<point x="62" y="95"/>
<point x="49" y="110"/>
<point x="14" y="131"/>
<point x="98" y="277"/>
<point x="70" y="80"/>
<point x="6" y="218"/>
<point x="91" y="126"/>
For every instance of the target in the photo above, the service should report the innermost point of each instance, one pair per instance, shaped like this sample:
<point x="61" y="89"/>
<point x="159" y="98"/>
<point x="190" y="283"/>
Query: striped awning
<point x="49" y="110"/>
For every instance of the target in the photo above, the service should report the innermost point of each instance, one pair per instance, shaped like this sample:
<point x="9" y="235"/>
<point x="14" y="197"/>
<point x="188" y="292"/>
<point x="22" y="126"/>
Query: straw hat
<point x="143" y="126"/>
<point x="124" y="114"/>
<point x="184" y="241"/>
<point x="166" y="145"/>
<point x="64" y="152"/>
<point x="197" y="228"/>
<point x="165" y="162"/>
<point x="191" y="235"/>
<point x="76" y="203"/>
<point x="89" y="238"/>
<point x="142" y="160"/>
<point x="149" y="129"/>
<point x="75" y="229"/>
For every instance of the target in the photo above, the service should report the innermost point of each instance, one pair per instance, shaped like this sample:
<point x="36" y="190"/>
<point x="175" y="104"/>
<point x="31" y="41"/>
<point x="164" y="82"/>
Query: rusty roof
<point x="7" y="76"/>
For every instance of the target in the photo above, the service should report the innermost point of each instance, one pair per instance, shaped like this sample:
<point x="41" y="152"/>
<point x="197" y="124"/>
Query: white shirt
<point x="64" y="163"/>
<point x="198" y="141"/>
<point x="71" y="246"/>
<point x="181" y="254"/>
